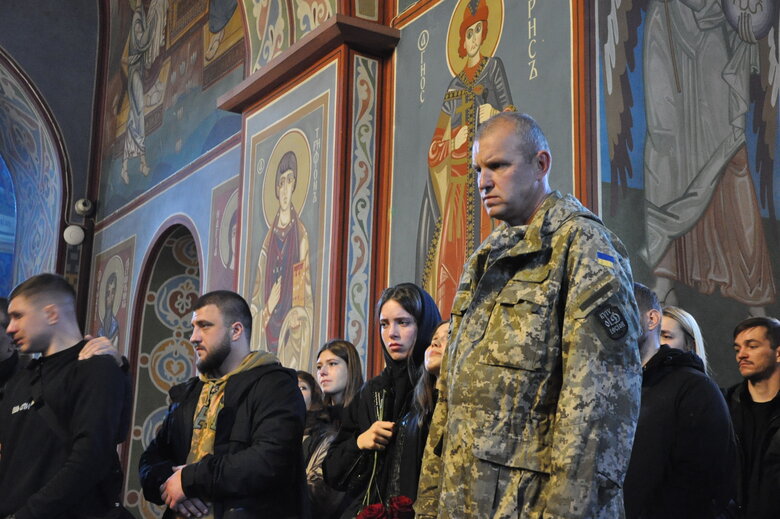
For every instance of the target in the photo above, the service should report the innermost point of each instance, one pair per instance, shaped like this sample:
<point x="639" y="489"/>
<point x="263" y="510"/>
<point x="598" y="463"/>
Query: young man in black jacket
<point x="684" y="454"/>
<point x="755" y="410"/>
<point x="230" y="445"/>
<point x="60" y="418"/>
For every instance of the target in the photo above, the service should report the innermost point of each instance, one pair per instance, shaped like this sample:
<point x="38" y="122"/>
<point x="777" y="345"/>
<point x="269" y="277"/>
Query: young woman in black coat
<point x="340" y="377"/>
<point x="367" y="457"/>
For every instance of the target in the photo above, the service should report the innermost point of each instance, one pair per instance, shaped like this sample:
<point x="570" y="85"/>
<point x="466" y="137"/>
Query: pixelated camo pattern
<point x="540" y="386"/>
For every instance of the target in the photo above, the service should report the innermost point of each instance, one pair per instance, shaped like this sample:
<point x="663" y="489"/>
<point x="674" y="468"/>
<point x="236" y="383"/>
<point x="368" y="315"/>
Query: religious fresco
<point x="165" y="355"/>
<point x="112" y="272"/>
<point x="456" y="66"/>
<point x="223" y="245"/>
<point x="31" y="152"/>
<point x="168" y="62"/>
<point x="688" y="115"/>
<point x="274" y="25"/>
<point x="288" y="221"/>
<point x="478" y="90"/>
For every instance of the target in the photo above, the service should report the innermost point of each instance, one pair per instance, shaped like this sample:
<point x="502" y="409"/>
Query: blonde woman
<point x="681" y="331"/>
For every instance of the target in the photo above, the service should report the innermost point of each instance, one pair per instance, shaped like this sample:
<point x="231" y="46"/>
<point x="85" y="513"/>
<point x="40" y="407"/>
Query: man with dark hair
<point x="684" y="454"/>
<point x="755" y="410"/>
<point x="539" y="389"/>
<point x="230" y="445"/>
<point x="60" y="418"/>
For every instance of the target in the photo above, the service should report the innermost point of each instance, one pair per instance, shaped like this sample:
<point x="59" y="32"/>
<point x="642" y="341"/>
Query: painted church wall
<point x="167" y="63"/>
<point x="288" y="223"/>
<point x="458" y="63"/>
<point x="124" y="246"/>
<point x="434" y="219"/>
<point x="688" y="118"/>
<point x="31" y="153"/>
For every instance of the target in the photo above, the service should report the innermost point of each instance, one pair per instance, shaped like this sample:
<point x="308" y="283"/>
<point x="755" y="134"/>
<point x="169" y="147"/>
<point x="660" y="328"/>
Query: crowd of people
<point x="557" y="388"/>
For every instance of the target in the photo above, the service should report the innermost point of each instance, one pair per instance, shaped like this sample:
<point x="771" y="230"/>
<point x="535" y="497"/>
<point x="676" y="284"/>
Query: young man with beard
<point x="684" y="455"/>
<point x="230" y="445"/>
<point x="755" y="411"/>
<point x="60" y="418"/>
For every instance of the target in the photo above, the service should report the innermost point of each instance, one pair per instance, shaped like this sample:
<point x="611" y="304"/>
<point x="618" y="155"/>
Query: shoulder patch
<point x="613" y="320"/>
<point x="605" y="260"/>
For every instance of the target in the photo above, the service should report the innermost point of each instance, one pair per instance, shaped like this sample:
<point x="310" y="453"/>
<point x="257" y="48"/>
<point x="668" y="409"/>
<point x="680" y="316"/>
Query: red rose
<point x="375" y="511"/>
<point x="401" y="508"/>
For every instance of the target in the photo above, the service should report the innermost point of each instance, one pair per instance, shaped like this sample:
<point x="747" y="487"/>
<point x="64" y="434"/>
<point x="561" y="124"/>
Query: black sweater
<point x="683" y="459"/>
<point x="44" y="474"/>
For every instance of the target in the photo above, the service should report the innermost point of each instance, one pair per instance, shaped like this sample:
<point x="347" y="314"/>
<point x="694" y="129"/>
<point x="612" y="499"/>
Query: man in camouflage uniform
<point x="539" y="392"/>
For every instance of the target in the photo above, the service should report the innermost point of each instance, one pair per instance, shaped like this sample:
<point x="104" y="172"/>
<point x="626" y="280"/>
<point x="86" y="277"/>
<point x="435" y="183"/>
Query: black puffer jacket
<point x="683" y="459"/>
<point x="759" y="492"/>
<point x="257" y="462"/>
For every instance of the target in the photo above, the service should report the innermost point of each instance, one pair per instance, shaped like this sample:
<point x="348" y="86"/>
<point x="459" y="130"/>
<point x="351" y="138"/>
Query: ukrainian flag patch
<point x="605" y="259"/>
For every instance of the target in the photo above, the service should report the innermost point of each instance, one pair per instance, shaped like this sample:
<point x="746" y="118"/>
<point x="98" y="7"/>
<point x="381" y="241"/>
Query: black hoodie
<point x="348" y="468"/>
<point x="683" y="459"/>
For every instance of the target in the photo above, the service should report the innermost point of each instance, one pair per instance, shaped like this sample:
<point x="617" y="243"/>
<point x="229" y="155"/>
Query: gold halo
<point x="489" y="45"/>
<point x="224" y="228"/>
<point x="114" y="265"/>
<point x="293" y="140"/>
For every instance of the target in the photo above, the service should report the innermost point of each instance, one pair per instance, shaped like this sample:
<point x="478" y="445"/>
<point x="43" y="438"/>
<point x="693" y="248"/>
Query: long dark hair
<point x="402" y="374"/>
<point x="316" y="392"/>
<point x="424" y="400"/>
<point x="347" y="352"/>
<point x="420" y="305"/>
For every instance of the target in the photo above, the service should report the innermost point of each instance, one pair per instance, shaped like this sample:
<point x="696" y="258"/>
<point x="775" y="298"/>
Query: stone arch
<point x="161" y="355"/>
<point x="32" y="148"/>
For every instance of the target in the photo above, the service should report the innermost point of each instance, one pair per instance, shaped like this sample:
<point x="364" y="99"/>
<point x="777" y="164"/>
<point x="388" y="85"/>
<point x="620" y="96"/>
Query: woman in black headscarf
<point x="366" y="457"/>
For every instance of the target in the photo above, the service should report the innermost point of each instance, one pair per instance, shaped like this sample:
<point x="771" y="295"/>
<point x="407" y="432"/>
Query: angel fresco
<point x="282" y="287"/>
<point x="704" y="63"/>
<point x="477" y="91"/>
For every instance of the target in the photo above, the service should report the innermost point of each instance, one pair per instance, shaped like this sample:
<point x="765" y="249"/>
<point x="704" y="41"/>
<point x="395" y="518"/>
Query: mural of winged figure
<point x="705" y="62"/>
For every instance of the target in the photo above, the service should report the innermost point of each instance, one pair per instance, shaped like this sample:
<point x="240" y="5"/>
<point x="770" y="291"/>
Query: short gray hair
<point x="528" y="132"/>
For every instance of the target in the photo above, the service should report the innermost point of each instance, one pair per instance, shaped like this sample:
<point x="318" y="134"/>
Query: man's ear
<point x="543" y="161"/>
<point x="653" y="320"/>
<point x="236" y="331"/>
<point x="52" y="313"/>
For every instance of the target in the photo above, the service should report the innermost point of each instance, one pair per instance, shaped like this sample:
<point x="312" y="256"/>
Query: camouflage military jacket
<point x="541" y="375"/>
